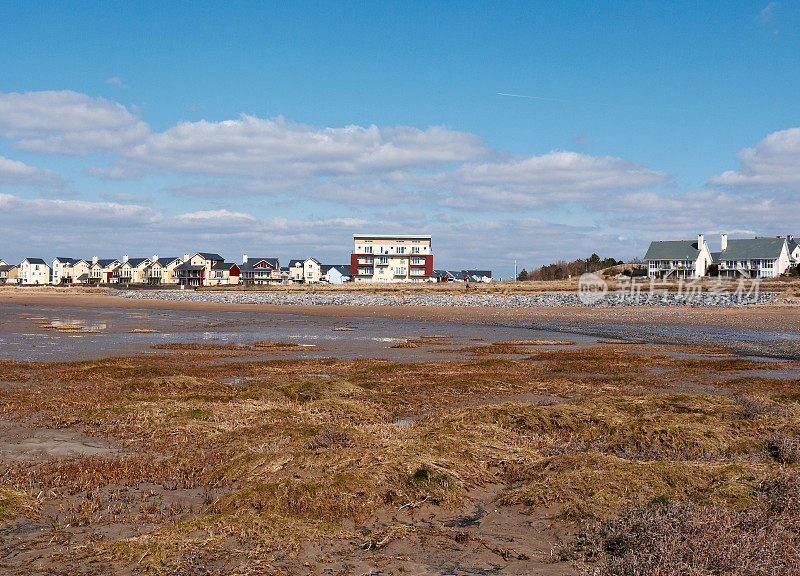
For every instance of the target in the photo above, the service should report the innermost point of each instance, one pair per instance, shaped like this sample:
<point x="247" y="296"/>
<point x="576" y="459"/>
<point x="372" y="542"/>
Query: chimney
<point x="700" y="240"/>
<point x="185" y="257"/>
<point x="244" y="258"/>
<point x="154" y="258"/>
<point x="124" y="258"/>
<point x="724" y="241"/>
<point x="94" y="260"/>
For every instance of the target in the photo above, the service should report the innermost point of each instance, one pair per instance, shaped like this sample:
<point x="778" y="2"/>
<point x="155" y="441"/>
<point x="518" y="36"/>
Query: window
<point x="415" y="249"/>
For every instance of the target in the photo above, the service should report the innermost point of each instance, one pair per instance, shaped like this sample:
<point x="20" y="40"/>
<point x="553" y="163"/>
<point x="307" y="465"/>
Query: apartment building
<point x="391" y="258"/>
<point x="102" y="269"/>
<point x="678" y="259"/>
<point x="131" y="271"/>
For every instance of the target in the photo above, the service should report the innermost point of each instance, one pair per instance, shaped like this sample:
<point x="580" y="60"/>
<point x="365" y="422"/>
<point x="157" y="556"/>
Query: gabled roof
<point x="137" y="261"/>
<point x="343" y="269"/>
<point x="210" y="256"/>
<point x="106" y="262"/>
<point x="35" y="261"/>
<point x="672" y="250"/>
<point x="753" y="248"/>
<point x="295" y="262"/>
<point x="8" y="267"/>
<point x="312" y="259"/>
<point x="715" y="257"/>
<point x="166" y="261"/>
<point x="479" y="273"/>
<point x="65" y="260"/>
<point x="188" y="266"/>
<point x="223" y="266"/>
<point x="254" y="261"/>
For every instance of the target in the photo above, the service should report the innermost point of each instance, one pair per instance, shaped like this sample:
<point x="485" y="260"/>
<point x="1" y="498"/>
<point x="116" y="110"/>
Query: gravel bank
<point x="452" y="300"/>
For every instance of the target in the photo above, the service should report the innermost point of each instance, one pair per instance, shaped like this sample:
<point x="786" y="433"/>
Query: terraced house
<point x="753" y="257"/>
<point x="161" y="270"/>
<point x="196" y="270"/>
<point x="131" y="271"/>
<point x="102" y="269"/>
<point x="9" y="273"/>
<point x="678" y="259"/>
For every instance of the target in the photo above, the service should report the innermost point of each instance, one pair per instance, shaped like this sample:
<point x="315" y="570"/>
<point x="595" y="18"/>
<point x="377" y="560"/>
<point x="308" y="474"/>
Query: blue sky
<point x="284" y="129"/>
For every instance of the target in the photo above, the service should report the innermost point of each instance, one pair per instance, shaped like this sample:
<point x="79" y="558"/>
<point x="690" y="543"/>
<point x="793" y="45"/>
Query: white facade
<point x="34" y="271"/>
<point x="678" y="259"/>
<point x="312" y="271"/>
<point x="392" y="258"/>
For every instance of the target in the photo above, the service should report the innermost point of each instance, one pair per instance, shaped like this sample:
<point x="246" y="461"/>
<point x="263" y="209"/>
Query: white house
<point x="753" y="257"/>
<point x="102" y="269"/>
<point x="678" y="259"/>
<point x="61" y="270"/>
<point x="312" y="271"/>
<point x="335" y="273"/>
<point x="34" y="271"/>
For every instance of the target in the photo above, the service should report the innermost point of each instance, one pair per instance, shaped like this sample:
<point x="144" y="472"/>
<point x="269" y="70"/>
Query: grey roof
<point x="672" y="250"/>
<point x="792" y="244"/>
<point x="210" y="256"/>
<point x="188" y="266"/>
<point x="65" y="259"/>
<point x="105" y="262"/>
<point x="136" y="261"/>
<point x="223" y="266"/>
<point x="167" y="261"/>
<point x="35" y="261"/>
<point x="253" y="261"/>
<point x="295" y="261"/>
<point x="7" y="267"/>
<point x="344" y="269"/>
<point x="715" y="257"/>
<point x="753" y="248"/>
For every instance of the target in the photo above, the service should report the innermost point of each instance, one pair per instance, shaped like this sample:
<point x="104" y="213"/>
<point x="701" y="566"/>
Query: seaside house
<point x="296" y="270"/>
<point x="131" y="271"/>
<point x="479" y="275"/>
<point x="160" y="270"/>
<point x="391" y="258"/>
<point x="794" y="249"/>
<point x="102" y="270"/>
<point x="78" y="271"/>
<point x="224" y="274"/>
<point x="753" y="257"/>
<point x="259" y="271"/>
<point x="678" y="259"/>
<point x="9" y="273"/>
<point x="34" y="271"/>
<point x="335" y="273"/>
<point x="312" y="271"/>
<point x="196" y="271"/>
<point x="61" y="270"/>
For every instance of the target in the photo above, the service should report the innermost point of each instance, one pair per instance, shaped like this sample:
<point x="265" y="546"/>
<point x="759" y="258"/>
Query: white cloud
<point x="556" y="177"/>
<point x="18" y="173"/>
<point x="68" y="123"/>
<point x="116" y="81"/>
<point x="774" y="163"/>
<point x="260" y="148"/>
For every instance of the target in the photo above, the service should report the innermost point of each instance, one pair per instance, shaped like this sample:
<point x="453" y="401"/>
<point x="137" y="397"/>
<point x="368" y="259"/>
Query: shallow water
<point x="24" y="335"/>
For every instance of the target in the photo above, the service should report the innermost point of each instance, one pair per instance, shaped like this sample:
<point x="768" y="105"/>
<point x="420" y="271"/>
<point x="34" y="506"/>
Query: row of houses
<point x="759" y="257"/>
<point x="200" y="269"/>
<point x="375" y="258"/>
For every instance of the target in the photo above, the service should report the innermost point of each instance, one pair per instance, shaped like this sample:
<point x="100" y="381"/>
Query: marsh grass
<point x="285" y="458"/>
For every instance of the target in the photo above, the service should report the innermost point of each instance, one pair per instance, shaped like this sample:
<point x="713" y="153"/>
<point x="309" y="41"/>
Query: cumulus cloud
<point x="266" y="148"/>
<point x="18" y="173"/>
<point x="774" y="163"/>
<point x="535" y="180"/>
<point x="66" y="122"/>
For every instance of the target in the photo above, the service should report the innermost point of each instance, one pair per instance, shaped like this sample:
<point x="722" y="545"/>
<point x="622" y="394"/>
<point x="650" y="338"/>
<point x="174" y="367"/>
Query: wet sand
<point x="776" y="317"/>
